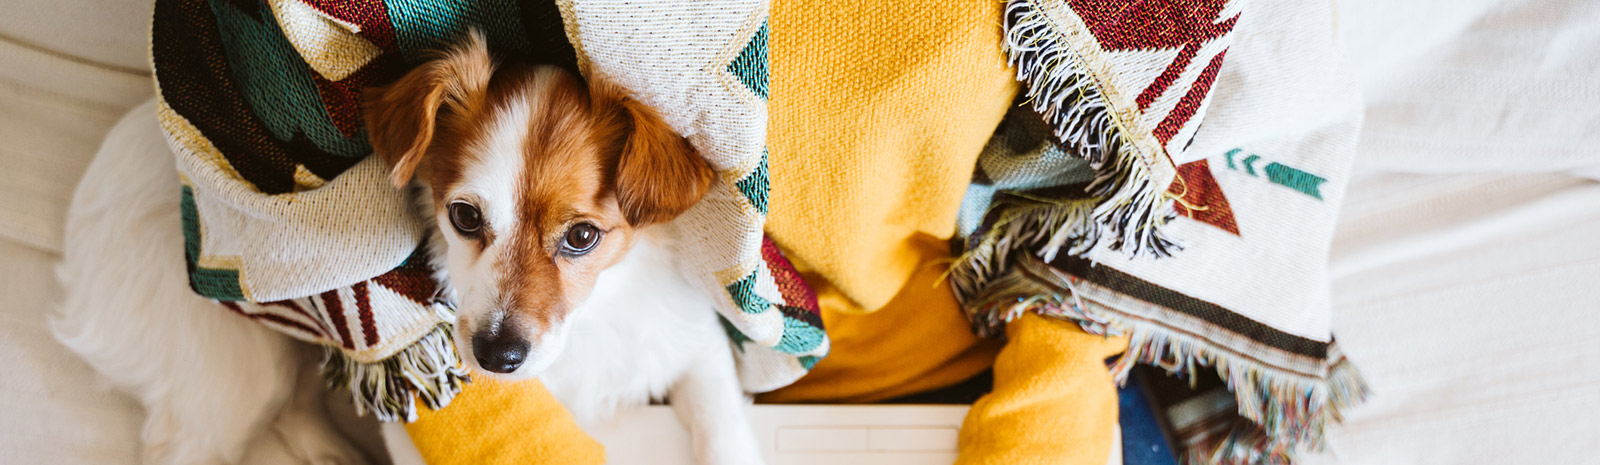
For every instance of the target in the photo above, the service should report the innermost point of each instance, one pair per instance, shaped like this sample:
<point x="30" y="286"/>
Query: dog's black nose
<point x="500" y="353"/>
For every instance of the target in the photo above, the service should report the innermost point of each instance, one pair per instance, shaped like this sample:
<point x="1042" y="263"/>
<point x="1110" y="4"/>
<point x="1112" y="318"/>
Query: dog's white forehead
<point x="494" y="163"/>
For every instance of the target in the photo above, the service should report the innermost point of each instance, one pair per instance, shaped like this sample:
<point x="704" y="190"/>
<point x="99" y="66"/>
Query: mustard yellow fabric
<point x="917" y="342"/>
<point x="877" y="115"/>
<point x="1053" y="400"/>
<point x="493" y="422"/>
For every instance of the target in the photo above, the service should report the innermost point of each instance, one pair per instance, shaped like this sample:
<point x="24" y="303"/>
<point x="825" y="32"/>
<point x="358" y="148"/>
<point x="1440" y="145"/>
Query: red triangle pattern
<point x="1201" y="198"/>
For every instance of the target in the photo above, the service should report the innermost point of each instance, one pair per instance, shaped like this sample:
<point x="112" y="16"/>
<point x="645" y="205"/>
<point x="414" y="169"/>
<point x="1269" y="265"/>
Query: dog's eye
<point x="581" y="238"/>
<point x="465" y="217"/>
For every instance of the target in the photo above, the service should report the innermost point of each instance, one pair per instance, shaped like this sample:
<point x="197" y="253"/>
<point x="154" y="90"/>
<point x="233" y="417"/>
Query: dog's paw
<point x="313" y="441"/>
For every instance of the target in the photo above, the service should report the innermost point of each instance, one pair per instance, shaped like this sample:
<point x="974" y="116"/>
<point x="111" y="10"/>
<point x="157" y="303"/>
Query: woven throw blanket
<point x="288" y="222"/>
<point x="1172" y="172"/>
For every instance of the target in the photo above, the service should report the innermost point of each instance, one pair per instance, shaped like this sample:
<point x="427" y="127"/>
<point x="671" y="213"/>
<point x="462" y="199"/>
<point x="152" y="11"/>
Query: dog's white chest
<point x="640" y="329"/>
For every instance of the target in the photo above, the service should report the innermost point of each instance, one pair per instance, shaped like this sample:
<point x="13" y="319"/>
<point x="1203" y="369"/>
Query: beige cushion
<point x="68" y="70"/>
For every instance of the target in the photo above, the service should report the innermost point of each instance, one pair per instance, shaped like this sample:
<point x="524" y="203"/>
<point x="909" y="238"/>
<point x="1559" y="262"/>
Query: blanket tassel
<point x="428" y="369"/>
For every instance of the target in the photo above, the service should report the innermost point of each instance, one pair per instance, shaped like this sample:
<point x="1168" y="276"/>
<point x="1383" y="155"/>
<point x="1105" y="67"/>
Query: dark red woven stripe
<point x="335" y="310"/>
<point x="298" y="310"/>
<point x="413" y="278"/>
<point x="1191" y="101"/>
<point x="371" y="15"/>
<point x="343" y="98"/>
<point x="369" y="326"/>
<point x="1144" y="25"/>
<point x="274" y="319"/>
<point x="1162" y="82"/>
<point x="796" y="293"/>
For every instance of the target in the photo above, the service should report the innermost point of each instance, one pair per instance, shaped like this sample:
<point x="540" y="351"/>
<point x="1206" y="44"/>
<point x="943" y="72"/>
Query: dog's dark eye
<point x="465" y="218"/>
<point x="581" y="238"/>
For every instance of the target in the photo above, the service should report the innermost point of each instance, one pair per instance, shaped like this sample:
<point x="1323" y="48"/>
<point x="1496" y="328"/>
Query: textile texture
<point x="1102" y="200"/>
<point x="1053" y="399"/>
<point x="502" y="422"/>
<point x="878" y="111"/>
<point x="288" y="222"/>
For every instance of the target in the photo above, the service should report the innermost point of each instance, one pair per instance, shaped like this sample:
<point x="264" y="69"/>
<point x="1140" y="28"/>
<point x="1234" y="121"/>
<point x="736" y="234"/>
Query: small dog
<point x="552" y="200"/>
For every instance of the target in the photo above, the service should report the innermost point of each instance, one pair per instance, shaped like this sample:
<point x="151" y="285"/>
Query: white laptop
<point x="804" y="434"/>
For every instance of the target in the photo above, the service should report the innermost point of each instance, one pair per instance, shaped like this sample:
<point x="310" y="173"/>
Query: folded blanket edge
<point x="1288" y="404"/>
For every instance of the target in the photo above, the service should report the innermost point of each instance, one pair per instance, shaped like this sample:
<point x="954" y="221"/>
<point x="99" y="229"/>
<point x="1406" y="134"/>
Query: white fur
<point x="489" y="181"/>
<point x="214" y="385"/>
<point x="645" y="333"/>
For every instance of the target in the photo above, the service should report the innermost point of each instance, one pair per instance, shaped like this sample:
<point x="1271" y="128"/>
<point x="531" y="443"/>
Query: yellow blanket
<point x="878" y="113"/>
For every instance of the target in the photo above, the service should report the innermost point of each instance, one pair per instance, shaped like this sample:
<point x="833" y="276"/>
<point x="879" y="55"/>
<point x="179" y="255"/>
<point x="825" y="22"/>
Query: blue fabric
<point x="1144" y="441"/>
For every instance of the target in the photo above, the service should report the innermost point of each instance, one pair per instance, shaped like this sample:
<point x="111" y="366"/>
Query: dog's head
<point x="539" y="181"/>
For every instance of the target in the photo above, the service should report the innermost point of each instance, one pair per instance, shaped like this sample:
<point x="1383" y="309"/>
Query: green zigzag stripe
<point x="744" y="295"/>
<point x="799" y="337"/>
<point x="751" y="64"/>
<point x="756" y="185"/>
<point x="220" y="284"/>
<point x="423" y="25"/>
<point x="277" y="83"/>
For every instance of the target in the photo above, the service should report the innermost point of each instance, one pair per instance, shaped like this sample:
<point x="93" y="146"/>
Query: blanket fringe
<point x="1132" y="205"/>
<point x="1023" y="225"/>
<point x="1291" y="410"/>
<point x="1286" y="411"/>
<point x="428" y="369"/>
<point x="1000" y="299"/>
<point x="1124" y="205"/>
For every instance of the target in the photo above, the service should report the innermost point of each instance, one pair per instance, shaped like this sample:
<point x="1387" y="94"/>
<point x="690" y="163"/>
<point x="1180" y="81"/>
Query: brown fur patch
<point x="658" y="174"/>
<point x="403" y="118"/>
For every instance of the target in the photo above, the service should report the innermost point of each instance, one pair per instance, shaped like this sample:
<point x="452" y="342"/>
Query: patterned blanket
<point x="287" y="221"/>
<point x="1102" y="199"/>
<point x="1108" y="197"/>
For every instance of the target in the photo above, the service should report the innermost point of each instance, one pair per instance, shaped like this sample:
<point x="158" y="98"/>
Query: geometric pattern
<point x="211" y="283"/>
<point x="750" y="67"/>
<point x="268" y="92"/>
<point x="755" y="185"/>
<point x="1280" y="174"/>
<point x="1200" y="198"/>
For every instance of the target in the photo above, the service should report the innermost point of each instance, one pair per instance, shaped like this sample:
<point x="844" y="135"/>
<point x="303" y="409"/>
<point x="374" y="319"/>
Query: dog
<point x="551" y="201"/>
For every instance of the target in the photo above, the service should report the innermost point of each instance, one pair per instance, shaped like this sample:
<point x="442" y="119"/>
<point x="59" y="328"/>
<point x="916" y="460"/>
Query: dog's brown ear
<point x="402" y="117"/>
<point x="658" y="174"/>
